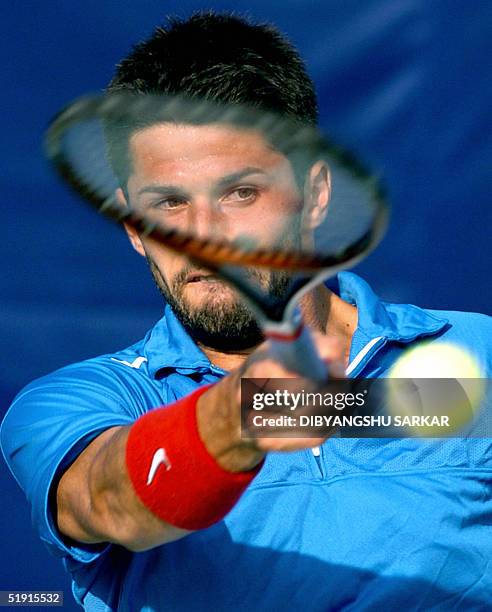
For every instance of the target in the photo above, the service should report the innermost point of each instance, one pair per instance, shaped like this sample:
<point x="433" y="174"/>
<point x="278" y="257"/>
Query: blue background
<point x="401" y="82"/>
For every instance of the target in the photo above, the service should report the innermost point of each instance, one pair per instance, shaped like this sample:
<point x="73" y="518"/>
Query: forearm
<point x="124" y="516"/>
<point x="97" y="502"/>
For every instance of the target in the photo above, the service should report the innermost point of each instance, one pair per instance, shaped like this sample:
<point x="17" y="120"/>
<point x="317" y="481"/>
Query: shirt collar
<point x="168" y="345"/>
<point x="397" y="322"/>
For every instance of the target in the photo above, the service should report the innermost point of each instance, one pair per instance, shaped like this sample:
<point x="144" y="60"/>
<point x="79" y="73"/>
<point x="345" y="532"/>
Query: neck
<point x="322" y="310"/>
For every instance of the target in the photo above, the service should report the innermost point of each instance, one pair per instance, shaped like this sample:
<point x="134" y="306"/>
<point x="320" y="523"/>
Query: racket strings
<point x="83" y="140"/>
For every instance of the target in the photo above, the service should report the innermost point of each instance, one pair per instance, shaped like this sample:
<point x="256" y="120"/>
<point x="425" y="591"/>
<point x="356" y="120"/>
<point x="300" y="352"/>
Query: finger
<point x="287" y="444"/>
<point x="332" y="351"/>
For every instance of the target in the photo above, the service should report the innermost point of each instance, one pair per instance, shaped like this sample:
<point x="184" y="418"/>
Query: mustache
<point x="190" y="269"/>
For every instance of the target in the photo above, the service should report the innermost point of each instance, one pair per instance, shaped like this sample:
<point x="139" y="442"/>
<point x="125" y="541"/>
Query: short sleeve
<point x="48" y="425"/>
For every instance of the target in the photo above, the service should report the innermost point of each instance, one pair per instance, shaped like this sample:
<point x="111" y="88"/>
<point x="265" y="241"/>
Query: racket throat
<point x="293" y="345"/>
<point x="287" y="330"/>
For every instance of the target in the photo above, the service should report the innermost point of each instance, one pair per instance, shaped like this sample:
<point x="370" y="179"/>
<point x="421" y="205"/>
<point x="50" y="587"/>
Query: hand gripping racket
<point x="309" y="210"/>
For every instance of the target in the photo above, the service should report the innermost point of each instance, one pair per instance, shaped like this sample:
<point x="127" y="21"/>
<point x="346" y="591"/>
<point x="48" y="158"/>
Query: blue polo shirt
<point x="365" y="524"/>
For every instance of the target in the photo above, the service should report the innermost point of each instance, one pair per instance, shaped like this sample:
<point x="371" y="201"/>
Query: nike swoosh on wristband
<point x="159" y="458"/>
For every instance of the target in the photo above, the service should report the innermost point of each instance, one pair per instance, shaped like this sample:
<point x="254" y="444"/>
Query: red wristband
<point x="173" y="473"/>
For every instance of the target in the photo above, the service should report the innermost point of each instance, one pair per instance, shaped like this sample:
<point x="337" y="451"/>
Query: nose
<point x="206" y="219"/>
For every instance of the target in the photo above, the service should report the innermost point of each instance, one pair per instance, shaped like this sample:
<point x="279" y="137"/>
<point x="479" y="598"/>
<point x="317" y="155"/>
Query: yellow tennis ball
<point x="434" y="389"/>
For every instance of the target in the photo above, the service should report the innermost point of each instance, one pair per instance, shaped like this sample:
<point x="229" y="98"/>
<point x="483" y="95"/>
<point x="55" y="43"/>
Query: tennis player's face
<point x="213" y="182"/>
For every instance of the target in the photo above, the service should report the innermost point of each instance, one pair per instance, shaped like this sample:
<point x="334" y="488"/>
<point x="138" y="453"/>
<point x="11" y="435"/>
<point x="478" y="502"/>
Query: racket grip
<point x="298" y="353"/>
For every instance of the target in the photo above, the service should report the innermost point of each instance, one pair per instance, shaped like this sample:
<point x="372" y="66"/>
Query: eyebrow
<point x="237" y="176"/>
<point x="223" y="182"/>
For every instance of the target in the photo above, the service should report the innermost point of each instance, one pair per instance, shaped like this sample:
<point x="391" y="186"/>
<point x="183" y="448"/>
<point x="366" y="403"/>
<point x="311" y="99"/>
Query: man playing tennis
<point x="170" y="509"/>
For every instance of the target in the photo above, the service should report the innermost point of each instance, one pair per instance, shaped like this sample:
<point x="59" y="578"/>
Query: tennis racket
<point x="307" y="211"/>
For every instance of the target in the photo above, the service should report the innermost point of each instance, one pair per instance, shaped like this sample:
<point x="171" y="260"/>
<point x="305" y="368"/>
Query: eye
<point x="169" y="203"/>
<point x="242" y="195"/>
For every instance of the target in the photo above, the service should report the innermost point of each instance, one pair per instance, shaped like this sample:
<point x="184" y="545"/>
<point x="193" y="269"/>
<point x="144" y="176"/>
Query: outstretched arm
<point x="96" y="496"/>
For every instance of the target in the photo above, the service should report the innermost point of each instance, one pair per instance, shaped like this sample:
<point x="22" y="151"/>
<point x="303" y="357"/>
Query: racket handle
<point x="298" y="353"/>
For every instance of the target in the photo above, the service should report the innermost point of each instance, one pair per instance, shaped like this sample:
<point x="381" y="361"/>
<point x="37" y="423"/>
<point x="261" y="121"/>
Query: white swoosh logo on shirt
<point x="159" y="458"/>
<point x="136" y="363"/>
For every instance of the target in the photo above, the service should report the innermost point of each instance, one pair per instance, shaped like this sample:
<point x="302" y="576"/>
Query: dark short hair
<point x="219" y="58"/>
<point x="223" y="58"/>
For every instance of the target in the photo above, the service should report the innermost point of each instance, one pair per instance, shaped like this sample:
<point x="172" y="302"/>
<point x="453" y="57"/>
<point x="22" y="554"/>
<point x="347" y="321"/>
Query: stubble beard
<point x="223" y="321"/>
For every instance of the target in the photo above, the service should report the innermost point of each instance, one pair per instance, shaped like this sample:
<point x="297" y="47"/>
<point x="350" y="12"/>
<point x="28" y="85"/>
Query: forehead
<point x="205" y="150"/>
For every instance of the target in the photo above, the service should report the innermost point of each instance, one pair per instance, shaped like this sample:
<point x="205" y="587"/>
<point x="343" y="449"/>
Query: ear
<point x="317" y="192"/>
<point x="130" y="231"/>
